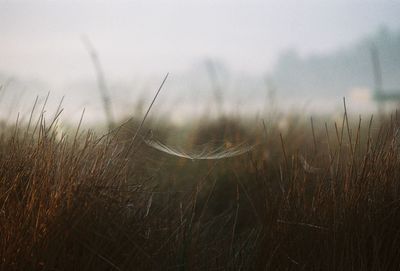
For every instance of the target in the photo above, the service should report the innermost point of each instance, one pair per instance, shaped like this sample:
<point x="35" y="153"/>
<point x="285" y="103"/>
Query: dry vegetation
<point x="310" y="197"/>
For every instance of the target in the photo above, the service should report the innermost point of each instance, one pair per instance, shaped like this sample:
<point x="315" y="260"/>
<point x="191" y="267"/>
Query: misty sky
<point x="42" y="39"/>
<point x="139" y="41"/>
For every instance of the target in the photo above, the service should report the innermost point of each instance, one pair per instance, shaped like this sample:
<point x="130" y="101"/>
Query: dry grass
<point x="324" y="197"/>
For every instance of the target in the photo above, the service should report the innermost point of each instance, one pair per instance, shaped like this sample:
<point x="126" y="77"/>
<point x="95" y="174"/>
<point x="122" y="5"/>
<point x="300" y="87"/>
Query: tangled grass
<point x="320" y="198"/>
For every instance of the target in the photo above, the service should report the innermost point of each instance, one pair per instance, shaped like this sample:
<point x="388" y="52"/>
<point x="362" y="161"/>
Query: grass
<point x="313" y="196"/>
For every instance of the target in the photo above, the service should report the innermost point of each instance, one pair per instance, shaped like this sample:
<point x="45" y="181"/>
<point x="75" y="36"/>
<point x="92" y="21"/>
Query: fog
<point x="309" y="53"/>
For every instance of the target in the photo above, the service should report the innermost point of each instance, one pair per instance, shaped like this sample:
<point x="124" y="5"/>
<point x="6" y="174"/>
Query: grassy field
<point x="309" y="195"/>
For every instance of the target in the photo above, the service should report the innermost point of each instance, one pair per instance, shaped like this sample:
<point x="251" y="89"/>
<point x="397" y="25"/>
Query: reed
<point x="323" y="196"/>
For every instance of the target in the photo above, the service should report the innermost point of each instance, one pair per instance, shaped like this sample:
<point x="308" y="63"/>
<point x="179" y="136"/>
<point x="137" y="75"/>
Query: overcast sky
<point x="42" y="39"/>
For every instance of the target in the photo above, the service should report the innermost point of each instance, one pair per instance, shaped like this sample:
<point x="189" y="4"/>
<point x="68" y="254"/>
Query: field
<point x="280" y="192"/>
